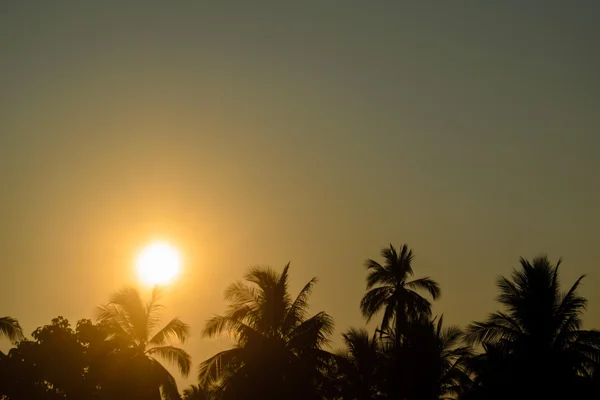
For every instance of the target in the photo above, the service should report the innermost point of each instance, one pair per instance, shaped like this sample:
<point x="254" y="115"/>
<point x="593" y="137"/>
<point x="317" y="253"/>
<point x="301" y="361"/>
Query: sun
<point x="158" y="264"/>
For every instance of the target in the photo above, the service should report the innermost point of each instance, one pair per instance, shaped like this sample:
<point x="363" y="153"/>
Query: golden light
<point x="158" y="264"/>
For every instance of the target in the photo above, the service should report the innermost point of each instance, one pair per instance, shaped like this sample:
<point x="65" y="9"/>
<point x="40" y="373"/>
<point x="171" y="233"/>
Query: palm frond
<point x="504" y="319"/>
<point x="174" y="355"/>
<point x="168" y="385"/>
<point x="451" y="336"/>
<point x="264" y="278"/>
<point x="215" y="326"/>
<point x="378" y="274"/>
<point x="239" y="293"/>
<point x="117" y="319"/>
<point x="389" y="254"/>
<point x="569" y="329"/>
<point x="220" y="324"/>
<point x="405" y="260"/>
<point x="591" y="337"/>
<point x="153" y="309"/>
<point x="571" y="303"/>
<point x="427" y="284"/>
<point x="312" y="333"/>
<point x="282" y="283"/>
<point x="131" y="304"/>
<point x="175" y="328"/>
<point x="355" y="337"/>
<point x="374" y="300"/>
<point x="299" y="308"/>
<point x="416" y="306"/>
<point x="212" y="368"/>
<point x="509" y="293"/>
<point x="482" y="332"/>
<point x="360" y="346"/>
<point x="196" y="392"/>
<point x="460" y="353"/>
<point x="247" y="312"/>
<point x="10" y="328"/>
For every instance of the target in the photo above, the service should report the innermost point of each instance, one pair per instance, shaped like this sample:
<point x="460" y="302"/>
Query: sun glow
<point x="158" y="264"/>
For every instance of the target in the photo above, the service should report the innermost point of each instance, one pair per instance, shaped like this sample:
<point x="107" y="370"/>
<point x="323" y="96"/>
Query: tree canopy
<point x="534" y="346"/>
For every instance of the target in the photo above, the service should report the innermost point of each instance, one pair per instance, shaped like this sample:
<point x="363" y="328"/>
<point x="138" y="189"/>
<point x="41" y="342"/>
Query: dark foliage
<point x="279" y="349"/>
<point x="534" y="347"/>
<point x="56" y="364"/>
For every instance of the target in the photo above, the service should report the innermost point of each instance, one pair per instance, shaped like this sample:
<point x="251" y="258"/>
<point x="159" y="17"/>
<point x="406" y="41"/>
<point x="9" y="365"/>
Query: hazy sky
<point x="313" y="132"/>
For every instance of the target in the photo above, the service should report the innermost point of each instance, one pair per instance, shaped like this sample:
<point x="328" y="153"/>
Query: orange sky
<point x="272" y="133"/>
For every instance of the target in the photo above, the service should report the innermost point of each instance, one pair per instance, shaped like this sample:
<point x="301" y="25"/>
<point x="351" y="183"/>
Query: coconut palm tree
<point x="433" y="361"/>
<point x="390" y="290"/>
<point x="196" y="392"/>
<point x="279" y="349"/>
<point x="453" y="357"/>
<point x="359" y="367"/>
<point x="10" y="328"/>
<point x="134" y="324"/>
<point x="538" y="341"/>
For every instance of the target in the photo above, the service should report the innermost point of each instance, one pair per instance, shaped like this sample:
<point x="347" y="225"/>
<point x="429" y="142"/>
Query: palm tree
<point x="10" y="328"/>
<point x="390" y="290"/>
<point x="196" y="392"/>
<point x="433" y="362"/>
<point x="359" y="367"/>
<point x="491" y="371"/>
<point x="278" y="351"/>
<point x="135" y="325"/>
<point x="453" y="356"/>
<point x="538" y="337"/>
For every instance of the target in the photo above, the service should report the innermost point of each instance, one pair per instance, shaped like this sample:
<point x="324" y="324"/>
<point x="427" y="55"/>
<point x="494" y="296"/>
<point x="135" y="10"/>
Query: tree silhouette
<point x="278" y="352"/>
<point x="10" y="328"/>
<point x="390" y="290"/>
<point x="358" y="370"/>
<point x="431" y="362"/>
<point x="534" y="347"/>
<point x="537" y="343"/>
<point x="54" y="365"/>
<point x="135" y="325"/>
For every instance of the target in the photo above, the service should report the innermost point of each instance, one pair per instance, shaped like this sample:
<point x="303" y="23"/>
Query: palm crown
<point x="274" y="338"/>
<point x="433" y="360"/>
<point x="541" y="327"/>
<point x="136" y="324"/>
<point x="390" y="290"/>
<point x="357" y="369"/>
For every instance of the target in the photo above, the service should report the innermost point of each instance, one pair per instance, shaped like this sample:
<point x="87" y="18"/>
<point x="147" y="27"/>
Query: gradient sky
<point x="317" y="132"/>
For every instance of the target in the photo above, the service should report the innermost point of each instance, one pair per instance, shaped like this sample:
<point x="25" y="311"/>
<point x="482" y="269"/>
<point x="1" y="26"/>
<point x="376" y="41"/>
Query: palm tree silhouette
<point x="278" y="352"/>
<point x="135" y="324"/>
<point x="390" y="290"/>
<point x="358" y="370"/>
<point x="10" y="328"/>
<point x="432" y="361"/>
<point x="537" y="342"/>
<point x="453" y="356"/>
<point x="196" y="392"/>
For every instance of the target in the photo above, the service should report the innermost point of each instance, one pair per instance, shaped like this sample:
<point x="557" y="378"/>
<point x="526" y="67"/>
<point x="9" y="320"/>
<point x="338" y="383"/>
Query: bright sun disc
<point x="158" y="264"/>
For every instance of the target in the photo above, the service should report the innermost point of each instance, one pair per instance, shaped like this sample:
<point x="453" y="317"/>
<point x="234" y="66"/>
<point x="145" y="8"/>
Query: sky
<point x="316" y="133"/>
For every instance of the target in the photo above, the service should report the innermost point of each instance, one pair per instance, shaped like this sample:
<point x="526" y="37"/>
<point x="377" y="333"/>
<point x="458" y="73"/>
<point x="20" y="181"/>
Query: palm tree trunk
<point x="400" y="321"/>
